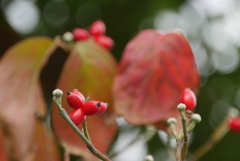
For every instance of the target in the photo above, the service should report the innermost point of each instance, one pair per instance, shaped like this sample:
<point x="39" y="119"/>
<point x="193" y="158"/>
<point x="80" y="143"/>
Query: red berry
<point x="189" y="99"/>
<point x="102" y="108"/>
<point x="97" y="28"/>
<point x="91" y="107"/>
<point x="104" y="41"/>
<point x="77" y="92"/>
<point x="74" y="100"/>
<point x="80" y="34"/>
<point x="234" y="124"/>
<point x="77" y="116"/>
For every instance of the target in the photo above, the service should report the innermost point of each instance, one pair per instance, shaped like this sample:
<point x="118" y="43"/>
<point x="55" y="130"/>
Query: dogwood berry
<point x="97" y="28"/>
<point x="234" y="124"/>
<point x="91" y="107"/>
<point x="80" y="34"/>
<point x="189" y="99"/>
<point x="77" y="116"/>
<point x="104" y="41"/>
<point x="74" y="100"/>
<point x="77" y="92"/>
<point x="102" y="109"/>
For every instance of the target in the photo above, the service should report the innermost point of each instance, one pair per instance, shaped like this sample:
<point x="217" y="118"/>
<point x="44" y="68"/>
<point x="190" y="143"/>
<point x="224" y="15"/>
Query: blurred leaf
<point x="21" y="97"/>
<point x="153" y="71"/>
<point x="90" y="69"/>
<point x="45" y="145"/>
<point x="3" y="152"/>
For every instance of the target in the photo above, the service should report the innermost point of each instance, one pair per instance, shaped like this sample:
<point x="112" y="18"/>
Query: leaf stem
<point x="90" y="146"/>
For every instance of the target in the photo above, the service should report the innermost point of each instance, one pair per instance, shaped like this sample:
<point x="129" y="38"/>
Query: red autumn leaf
<point x="21" y="97"/>
<point x="154" y="70"/>
<point x="90" y="69"/>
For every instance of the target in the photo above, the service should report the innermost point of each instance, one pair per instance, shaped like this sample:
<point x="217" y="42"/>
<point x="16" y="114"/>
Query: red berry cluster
<point x="97" y="31"/>
<point x="188" y="98"/>
<point x="83" y="108"/>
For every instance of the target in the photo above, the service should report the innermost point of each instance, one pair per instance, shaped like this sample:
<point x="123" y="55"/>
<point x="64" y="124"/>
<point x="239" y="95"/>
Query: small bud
<point x="67" y="37"/>
<point x="57" y="93"/>
<point x="181" y="107"/>
<point x="172" y="120"/>
<point x="149" y="158"/>
<point x="197" y="118"/>
<point x="233" y="112"/>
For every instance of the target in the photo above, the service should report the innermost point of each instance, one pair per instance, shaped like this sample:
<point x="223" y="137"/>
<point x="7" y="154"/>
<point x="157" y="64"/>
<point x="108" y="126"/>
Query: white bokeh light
<point x="213" y="8"/>
<point x="225" y="62"/>
<point x="134" y="152"/>
<point x="214" y="26"/>
<point x="23" y="16"/>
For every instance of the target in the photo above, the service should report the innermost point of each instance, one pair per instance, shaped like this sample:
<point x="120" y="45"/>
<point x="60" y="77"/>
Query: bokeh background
<point x="211" y="26"/>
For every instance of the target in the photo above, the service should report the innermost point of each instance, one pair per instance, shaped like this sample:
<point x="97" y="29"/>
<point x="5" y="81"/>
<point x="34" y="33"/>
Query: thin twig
<point x="185" y="137"/>
<point x="178" y="149"/>
<point x="85" y="130"/>
<point x="217" y="135"/>
<point x="90" y="146"/>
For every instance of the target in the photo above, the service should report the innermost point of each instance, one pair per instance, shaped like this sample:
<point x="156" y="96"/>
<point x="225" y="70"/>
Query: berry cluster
<point x="97" y="30"/>
<point x="83" y="107"/>
<point x="188" y="98"/>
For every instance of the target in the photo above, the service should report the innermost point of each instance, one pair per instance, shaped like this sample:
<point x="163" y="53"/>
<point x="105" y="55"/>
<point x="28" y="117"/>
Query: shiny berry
<point x="80" y="34"/>
<point x="102" y="108"/>
<point x="104" y="41"/>
<point x="77" y="92"/>
<point x="189" y="99"/>
<point x="234" y="124"/>
<point x="74" y="100"/>
<point x="97" y="28"/>
<point x="91" y="107"/>
<point x="77" y="116"/>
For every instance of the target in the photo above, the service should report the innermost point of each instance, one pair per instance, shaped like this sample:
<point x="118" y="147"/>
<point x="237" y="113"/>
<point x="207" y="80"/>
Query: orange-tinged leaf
<point x="45" y="147"/>
<point x="153" y="71"/>
<point x="90" y="69"/>
<point x="20" y="95"/>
